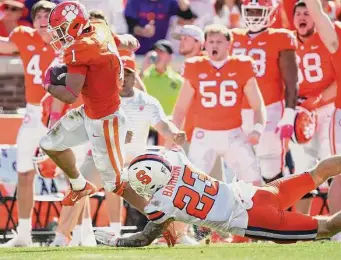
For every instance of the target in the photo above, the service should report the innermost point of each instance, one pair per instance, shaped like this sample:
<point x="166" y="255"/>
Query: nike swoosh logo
<point x="314" y="47"/>
<point x="232" y="74"/>
<point x="261" y="43"/>
<point x="93" y="135"/>
<point x="75" y="198"/>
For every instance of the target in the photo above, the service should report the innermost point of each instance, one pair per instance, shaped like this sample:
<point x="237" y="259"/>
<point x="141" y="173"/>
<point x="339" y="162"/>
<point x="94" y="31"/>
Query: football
<point x="58" y="74"/>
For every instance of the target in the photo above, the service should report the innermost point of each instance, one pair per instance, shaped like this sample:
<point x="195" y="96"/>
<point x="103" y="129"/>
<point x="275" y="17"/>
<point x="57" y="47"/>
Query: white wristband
<point x="288" y="116"/>
<point x="258" y="128"/>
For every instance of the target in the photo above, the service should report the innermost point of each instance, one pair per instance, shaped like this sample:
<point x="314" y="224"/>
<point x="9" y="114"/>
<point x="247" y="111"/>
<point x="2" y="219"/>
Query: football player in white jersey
<point x="142" y="111"/>
<point x="179" y="192"/>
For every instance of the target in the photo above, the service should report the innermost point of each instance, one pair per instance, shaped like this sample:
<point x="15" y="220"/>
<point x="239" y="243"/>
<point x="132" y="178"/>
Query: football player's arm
<point x="255" y="99"/>
<point x="7" y="46"/>
<point x="289" y="72"/>
<point x="324" y="25"/>
<point x="328" y="95"/>
<point x="183" y="103"/>
<point x="56" y="111"/>
<point x="69" y="93"/>
<point x="144" y="238"/>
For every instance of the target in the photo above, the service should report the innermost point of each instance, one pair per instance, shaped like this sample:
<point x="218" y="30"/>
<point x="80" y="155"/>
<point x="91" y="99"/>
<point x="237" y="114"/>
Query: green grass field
<point x="254" y="251"/>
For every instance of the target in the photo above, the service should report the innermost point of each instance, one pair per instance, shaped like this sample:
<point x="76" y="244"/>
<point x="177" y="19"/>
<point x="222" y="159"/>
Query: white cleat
<point x="106" y="237"/>
<point x="19" y="241"/>
<point x="60" y="240"/>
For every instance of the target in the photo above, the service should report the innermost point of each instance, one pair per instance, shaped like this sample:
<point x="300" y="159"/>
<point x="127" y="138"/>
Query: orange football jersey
<point x="316" y="70"/>
<point x="219" y="93"/>
<point x="95" y="56"/>
<point x="265" y="49"/>
<point x="36" y="56"/>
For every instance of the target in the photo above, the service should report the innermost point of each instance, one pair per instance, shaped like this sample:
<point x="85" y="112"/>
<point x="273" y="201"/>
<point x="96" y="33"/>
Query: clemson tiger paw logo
<point x="70" y="12"/>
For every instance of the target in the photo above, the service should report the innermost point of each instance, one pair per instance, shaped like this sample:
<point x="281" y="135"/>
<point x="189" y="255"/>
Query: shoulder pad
<point x="196" y="59"/>
<point x="24" y="30"/>
<point x="81" y="52"/>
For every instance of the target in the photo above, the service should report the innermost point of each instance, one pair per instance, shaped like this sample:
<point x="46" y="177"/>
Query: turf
<point x="254" y="251"/>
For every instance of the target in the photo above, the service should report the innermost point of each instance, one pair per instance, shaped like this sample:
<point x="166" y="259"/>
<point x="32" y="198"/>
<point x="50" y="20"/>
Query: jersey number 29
<point x="198" y="205"/>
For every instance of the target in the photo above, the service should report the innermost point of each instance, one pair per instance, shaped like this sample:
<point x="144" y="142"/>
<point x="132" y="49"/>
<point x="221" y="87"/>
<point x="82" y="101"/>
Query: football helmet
<point x="267" y="12"/>
<point x="148" y="173"/>
<point x="304" y="125"/>
<point x="66" y="22"/>
<point x="43" y="165"/>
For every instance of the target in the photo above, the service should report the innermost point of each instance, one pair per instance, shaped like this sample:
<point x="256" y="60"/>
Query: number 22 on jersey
<point x="198" y="205"/>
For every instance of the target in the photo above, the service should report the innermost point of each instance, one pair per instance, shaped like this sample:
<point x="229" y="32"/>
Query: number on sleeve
<point x="198" y="206"/>
<point x="73" y="56"/>
<point x="258" y="55"/>
<point x="33" y="68"/>
<point x="227" y="97"/>
<point x="312" y="70"/>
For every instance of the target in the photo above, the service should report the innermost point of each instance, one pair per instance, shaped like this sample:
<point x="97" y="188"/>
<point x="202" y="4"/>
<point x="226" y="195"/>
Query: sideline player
<point x="274" y="53"/>
<point x="142" y="111"/>
<point x="317" y="87"/>
<point x="217" y="84"/>
<point x="179" y="192"/>
<point x="37" y="55"/>
<point x="330" y="35"/>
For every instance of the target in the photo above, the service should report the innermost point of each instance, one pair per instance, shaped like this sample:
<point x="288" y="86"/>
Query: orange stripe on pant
<point x="110" y="151"/>
<point x="117" y="141"/>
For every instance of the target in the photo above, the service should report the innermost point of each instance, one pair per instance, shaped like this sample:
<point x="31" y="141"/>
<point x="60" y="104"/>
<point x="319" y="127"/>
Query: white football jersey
<point x="193" y="197"/>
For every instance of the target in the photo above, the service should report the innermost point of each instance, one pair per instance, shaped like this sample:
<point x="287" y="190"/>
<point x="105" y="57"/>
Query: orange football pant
<point x="268" y="218"/>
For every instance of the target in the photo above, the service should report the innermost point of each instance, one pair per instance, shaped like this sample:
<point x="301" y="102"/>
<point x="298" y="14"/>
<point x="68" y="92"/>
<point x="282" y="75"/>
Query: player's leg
<point x="267" y="222"/>
<point x="69" y="132"/>
<point x="240" y="158"/>
<point x="202" y="150"/>
<point x="271" y="150"/>
<point x="27" y="142"/>
<point x="334" y="193"/>
<point x="290" y="189"/>
<point x="72" y="216"/>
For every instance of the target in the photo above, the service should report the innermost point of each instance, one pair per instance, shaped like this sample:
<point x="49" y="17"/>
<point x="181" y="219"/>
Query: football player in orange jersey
<point x="330" y="35"/>
<point x="317" y="87"/>
<point x="274" y="53"/>
<point x="217" y="84"/>
<point x="94" y="69"/>
<point x="37" y="55"/>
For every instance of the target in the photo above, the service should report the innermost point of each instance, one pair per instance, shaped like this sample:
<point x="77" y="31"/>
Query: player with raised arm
<point x="274" y="53"/>
<point x="317" y="91"/>
<point x="180" y="192"/>
<point x="37" y="55"/>
<point x="330" y="35"/>
<point x="217" y="85"/>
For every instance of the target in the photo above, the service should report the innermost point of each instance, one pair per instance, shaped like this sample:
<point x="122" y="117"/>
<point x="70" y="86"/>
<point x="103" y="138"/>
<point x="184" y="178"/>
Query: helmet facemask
<point x="60" y="38"/>
<point x="261" y="17"/>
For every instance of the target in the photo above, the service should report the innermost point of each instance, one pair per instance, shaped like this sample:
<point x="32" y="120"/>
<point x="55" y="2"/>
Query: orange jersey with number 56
<point x="265" y="49"/>
<point x="316" y="70"/>
<point x="36" y="56"/>
<point x="219" y="92"/>
<point x="94" y="55"/>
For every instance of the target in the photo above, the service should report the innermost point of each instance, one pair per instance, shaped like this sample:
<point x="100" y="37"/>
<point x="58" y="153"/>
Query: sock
<point x="87" y="225"/>
<point x="25" y="226"/>
<point x="78" y="183"/>
<point x="115" y="227"/>
<point x="76" y="236"/>
<point x="337" y="237"/>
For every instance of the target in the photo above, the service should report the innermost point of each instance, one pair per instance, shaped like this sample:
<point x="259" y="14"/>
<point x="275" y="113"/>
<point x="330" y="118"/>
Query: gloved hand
<point x="285" y="126"/>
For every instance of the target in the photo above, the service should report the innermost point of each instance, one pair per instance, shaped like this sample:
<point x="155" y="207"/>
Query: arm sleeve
<point x="16" y="36"/>
<point x="287" y="41"/>
<point x="249" y="69"/>
<point x="187" y="73"/>
<point x="154" y="213"/>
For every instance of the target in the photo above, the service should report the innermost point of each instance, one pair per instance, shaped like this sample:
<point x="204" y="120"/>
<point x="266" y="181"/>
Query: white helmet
<point x="148" y="173"/>
<point x="268" y="10"/>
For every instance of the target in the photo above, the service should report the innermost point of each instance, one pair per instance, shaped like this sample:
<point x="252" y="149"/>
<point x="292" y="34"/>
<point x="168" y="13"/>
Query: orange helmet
<point x="304" y="125"/>
<point x="66" y="22"/>
<point x="266" y="16"/>
<point x="43" y="165"/>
